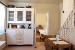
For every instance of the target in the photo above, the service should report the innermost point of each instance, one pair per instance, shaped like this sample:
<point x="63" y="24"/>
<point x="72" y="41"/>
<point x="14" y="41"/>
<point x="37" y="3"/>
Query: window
<point x="2" y="17"/>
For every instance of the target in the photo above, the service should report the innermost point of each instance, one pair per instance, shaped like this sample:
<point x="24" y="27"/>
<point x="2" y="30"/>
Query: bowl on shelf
<point x="28" y="6"/>
<point x="10" y="6"/>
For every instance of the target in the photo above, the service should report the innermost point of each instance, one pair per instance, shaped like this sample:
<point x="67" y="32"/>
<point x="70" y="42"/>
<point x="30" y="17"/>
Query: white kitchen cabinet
<point x="15" y="15"/>
<point x="29" y="36"/>
<point x="20" y="15"/>
<point x="11" y="15"/>
<point x="10" y="34"/>
<point x="29" y="14"/>
<point x="19" y="36"/>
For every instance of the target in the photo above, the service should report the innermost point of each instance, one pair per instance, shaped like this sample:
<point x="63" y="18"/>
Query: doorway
<point x="41" y="25"/>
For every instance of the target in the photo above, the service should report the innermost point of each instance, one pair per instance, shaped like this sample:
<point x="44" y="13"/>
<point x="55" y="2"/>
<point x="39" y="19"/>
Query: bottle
<point x="57" y="37"/>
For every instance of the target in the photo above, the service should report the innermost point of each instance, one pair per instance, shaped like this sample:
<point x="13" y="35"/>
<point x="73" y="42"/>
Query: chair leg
<point x="40" y="37"/>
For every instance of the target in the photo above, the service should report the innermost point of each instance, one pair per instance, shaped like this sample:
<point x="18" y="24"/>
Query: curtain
<point x="2" y="17"/>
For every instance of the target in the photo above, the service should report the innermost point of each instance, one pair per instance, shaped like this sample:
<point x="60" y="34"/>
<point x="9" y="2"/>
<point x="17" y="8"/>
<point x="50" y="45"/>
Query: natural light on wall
<point x="2" y="17"/>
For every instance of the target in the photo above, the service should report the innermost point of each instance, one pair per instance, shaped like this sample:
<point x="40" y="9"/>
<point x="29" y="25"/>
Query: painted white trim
<point x="47" y="23"/>
<point x="35" y="30"/>
<point x="47" y="19"/>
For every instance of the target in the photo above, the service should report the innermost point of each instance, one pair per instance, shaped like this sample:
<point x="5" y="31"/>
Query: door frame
<point x="35" y="25"/>
<point x="47" y="19"/>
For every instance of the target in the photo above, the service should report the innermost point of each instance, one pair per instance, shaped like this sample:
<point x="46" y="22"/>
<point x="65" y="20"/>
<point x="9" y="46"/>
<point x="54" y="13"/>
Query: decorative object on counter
<point x="28" y="6"/>
<point x="10" y="6"/>
<point x="22" y="26"/>
<point x="13" y="26"/>
<point x="29" y="26"/>
<point x="23" y="23"/>
<point x="18" y="26"/>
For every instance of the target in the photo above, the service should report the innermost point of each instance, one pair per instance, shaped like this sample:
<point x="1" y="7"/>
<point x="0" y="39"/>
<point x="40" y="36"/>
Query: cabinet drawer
<point x="20" y="42"/>
<point x="19" y="31"/>
<point x="19" y="35"/>
<point x="19" y="38"/>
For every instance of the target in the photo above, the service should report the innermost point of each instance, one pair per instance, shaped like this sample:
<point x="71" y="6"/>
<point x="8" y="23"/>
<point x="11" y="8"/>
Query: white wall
<point x="71" y="39"/>
<point x="41" y="19"/>
<point x="5" y="1"/>
<point x="67" y="7"/>
<point x="61" y="14"/>
<point x="53" y="10"/>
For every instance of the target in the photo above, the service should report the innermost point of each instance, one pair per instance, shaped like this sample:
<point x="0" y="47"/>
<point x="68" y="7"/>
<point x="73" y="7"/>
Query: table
<point x="51" y="44"/>
<point x="61" y="44"/>
<point x="54" y="39"/>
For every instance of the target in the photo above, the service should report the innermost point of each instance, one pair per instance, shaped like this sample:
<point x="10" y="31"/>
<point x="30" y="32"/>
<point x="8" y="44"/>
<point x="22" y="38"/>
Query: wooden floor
<point x="38" y="38"/>
<point x="39" y="45"/>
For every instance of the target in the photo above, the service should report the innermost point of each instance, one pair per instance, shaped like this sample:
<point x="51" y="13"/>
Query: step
<point x="2" y="44"/>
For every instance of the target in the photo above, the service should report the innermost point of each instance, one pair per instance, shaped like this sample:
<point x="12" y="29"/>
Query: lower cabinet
<point x="10" y="35"/>
<point x="19" y="37"/>
<point x="28" y="37"/>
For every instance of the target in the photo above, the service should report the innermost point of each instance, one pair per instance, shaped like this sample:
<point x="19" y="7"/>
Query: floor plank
<point x="39" y="45"/>
<point x="38" y="38"/>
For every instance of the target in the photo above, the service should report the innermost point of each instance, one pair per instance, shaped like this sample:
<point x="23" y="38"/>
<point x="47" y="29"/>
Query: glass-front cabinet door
<point x="20" y="16"/>
<point x="11" y="15"/>
<point x="28" y="16"/>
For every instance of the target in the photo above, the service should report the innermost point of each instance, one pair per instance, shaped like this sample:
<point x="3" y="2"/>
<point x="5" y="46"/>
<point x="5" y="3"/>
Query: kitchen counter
<point x="2" y="40"/>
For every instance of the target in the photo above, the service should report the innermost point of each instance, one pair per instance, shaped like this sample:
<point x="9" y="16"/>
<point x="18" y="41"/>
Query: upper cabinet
<point x="20" y="15"/>
<point x="11" y="15"/>
<point x="29" y="15"/>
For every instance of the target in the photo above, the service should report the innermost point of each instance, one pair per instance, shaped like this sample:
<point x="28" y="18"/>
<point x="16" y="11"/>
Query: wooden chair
<point x="48" y="45"/>
<point x="50" y="36"/>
